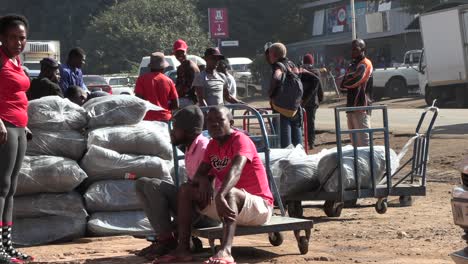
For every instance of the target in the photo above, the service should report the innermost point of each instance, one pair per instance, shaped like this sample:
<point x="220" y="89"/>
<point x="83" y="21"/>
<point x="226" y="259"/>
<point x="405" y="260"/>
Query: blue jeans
<point x="291" y="130"/>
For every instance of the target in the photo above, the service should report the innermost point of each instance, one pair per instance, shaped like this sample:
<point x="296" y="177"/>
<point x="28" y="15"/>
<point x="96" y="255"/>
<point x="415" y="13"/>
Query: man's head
<point x="50" y="69"/>
<point x="277" y="52"/>
<point x="187" y="124"/>
<point x="212" y="57"/>
<point x="219" y="121"/>
<point x="223" y="66"/>
<point x="157" y="62"/>
<point x="358" y="49"/>
<point x="76" y="58"/>
<point x="180" y="50"/>
<point x="13" y="34"/>
<point x="308" y="59"/>
<point x="76" y="95"/>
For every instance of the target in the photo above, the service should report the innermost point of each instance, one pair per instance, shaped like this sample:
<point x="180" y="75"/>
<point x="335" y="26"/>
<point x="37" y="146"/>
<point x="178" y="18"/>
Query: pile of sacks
<point x="120" y="149"/>
<point x="47" y="209"/>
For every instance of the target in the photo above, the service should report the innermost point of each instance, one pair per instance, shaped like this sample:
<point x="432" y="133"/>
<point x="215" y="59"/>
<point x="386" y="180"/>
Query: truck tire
<point x="397" y="87"/>
<point x="429" y="96"/>
<point x="378" y="93"/>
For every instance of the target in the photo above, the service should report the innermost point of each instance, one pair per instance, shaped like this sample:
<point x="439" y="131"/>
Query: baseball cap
<point x="214" y="52"/>
<point x="179" y="45"/>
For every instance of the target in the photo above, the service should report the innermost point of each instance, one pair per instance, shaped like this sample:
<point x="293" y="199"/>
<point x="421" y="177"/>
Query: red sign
<point x="219" y="25"/>
<point x="341" y="15"/>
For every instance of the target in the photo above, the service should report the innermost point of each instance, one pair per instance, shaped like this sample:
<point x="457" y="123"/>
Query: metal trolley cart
<point x="278" y="223"/>
<point x="409" y="180"/>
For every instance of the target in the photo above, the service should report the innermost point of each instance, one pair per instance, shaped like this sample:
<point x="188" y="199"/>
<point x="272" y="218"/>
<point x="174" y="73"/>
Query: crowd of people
<point x="227" y="182"/>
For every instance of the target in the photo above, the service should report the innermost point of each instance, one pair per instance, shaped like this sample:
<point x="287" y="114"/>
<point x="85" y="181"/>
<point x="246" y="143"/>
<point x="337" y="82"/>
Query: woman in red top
<point x="13" y="120"/>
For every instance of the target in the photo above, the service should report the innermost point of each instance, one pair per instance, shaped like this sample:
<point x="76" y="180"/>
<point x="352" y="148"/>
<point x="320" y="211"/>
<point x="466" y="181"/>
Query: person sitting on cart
<point x="159" y="198"/>
<point x="241" y="195"/>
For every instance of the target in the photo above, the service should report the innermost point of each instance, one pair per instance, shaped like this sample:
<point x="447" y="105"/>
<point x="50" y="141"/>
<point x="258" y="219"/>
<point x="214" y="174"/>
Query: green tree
<point x="119" y="37"/>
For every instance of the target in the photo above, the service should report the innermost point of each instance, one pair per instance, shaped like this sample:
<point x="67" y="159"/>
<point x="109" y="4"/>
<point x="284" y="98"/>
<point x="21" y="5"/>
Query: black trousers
<point x="11" y="157"/>
<point x="311" y="110"/>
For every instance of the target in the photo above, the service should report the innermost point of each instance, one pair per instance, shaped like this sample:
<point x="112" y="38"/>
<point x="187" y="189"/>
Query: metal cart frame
<point x="278" y="223"/>
<point x="405" y="187"/>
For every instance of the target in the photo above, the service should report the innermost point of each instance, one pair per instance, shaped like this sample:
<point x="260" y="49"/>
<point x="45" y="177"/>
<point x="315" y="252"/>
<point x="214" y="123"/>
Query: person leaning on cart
<point x="241" y="197"/>
<point x="358" y="83"/>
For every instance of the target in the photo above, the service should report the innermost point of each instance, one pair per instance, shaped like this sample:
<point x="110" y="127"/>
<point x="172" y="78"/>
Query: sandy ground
<point x="421" y="234"/>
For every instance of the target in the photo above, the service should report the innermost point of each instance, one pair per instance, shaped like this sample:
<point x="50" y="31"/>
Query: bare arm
<point x="228" y="97"/>
<point x="200" y="96"/>
<point x="233" y="175"/>
<point x="275" y="82"/>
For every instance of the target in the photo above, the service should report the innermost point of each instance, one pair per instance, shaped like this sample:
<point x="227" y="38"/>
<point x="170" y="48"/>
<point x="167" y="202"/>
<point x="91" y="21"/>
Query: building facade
<point x="381" y="23"/>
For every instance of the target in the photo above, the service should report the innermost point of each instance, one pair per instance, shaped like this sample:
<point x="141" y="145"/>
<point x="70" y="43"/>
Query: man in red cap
<point x="185" y="74"/>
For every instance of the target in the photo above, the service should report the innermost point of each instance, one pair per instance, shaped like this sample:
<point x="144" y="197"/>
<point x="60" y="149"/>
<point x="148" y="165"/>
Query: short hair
<point x="9" y="21"/>
<point x="222" y="109"/>
<point x="279" y="49"/>
<point x="72" y="91"/>
<point x="76" y="52"/>
<point x="361" y="43"/>
<point x="189" y="119"/>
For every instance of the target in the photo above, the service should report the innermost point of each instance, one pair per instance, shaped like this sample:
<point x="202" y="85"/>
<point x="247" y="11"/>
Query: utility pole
<point x="353" y="20"/>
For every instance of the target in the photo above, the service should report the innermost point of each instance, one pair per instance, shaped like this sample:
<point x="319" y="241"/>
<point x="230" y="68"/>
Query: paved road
<point x="450" y="122"/>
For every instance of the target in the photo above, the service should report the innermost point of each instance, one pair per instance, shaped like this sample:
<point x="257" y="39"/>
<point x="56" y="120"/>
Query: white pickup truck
<point x="397" y="81"/>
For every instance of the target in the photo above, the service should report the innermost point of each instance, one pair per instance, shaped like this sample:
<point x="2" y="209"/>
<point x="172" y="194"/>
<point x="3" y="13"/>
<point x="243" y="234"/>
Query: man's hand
<point x="225" y="212"/>
<point x="206" y="192"/>
<point x="3" y="133"/>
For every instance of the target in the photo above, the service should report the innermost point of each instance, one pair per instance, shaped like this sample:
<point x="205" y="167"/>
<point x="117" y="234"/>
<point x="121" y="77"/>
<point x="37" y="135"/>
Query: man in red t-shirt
<point x="241" y="197"/>
<point x="158" y="89"/>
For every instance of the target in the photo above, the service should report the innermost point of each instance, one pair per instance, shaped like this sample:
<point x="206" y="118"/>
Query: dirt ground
<point x="423" y="233"/>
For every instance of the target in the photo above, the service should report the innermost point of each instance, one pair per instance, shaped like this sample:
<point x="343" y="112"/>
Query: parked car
<point x="171" y="60"/>
<point x="121" y="84"/>
<point x="240" y="67"/>
<point x="97" y="83"/>
<point x="398" y="81"/>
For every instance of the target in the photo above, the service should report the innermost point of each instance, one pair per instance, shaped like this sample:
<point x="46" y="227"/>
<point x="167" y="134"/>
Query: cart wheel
<point x="406" y="201"/>
<point x="303" y="245"/>
<point x="381" y="206"/>
<point x="350" y="203"/>
<point x="295" y="209"/>
<point x="197" y="245"/>
<point x="276" y="239"/>
<point x="332" y="208"/>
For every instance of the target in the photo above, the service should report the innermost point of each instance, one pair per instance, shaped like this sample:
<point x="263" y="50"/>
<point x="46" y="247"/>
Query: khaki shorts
<point x="256" y="211"/>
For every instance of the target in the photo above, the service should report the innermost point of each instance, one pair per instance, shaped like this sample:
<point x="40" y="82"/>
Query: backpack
<point x="287" y="98"/>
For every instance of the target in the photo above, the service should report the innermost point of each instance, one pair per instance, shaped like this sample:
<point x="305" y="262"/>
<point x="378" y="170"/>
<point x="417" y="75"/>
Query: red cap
<point x="180" y="45"/>
<point x="308" y="59"/>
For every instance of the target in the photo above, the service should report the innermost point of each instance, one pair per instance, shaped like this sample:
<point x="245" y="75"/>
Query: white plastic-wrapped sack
<point x="70" y="144"/>
<point x="298" y="172"/>
<point x="328" y="167"/>
<point x="119" y="223"/>
<point x="104" y="164"/>
<point x="47" y="174"/>
<point x="54" y="113"/>
<point x="115" y="110"/>
<point x="145" y="138"/>
<point x="108" y="196"/>
<point x="48" y="229"/>
<point x="48" y="204"/>
<point x="279" y="154"/>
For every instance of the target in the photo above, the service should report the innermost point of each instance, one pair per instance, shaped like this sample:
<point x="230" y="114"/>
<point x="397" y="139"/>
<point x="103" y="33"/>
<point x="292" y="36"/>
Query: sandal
<point x="220" y="260"/>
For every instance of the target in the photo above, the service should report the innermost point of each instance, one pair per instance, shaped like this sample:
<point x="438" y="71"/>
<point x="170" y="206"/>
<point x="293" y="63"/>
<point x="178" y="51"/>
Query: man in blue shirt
<point x="70" y="73"/>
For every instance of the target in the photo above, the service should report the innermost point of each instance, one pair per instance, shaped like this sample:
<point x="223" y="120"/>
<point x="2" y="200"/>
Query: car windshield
<point x="119" y="81"/>
<point x="240" y="67"/>
<point x="33" y="66"/>
<point x="94" y="80"/>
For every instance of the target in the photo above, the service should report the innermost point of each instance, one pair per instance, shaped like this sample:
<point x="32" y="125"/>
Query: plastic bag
<point x="115" y="110"/>
<point x="328" y="167"/>
<point x="47" y="174"/>
<point x="108" y="196"/>
<point x="54" y="113"/>
<point x="104" y="164"/>
<point x="119" y="223"/>
<point x="145" y="138"/>
<point x="69" y="144"/>
<point x="48" y="229"/>
<point x="299" y="172"/>
<point x="49" y="204"/>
